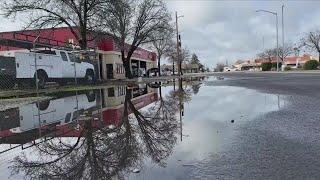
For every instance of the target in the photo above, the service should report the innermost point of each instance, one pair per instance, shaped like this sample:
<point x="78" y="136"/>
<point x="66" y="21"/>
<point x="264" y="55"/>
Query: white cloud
<point x="220" y="30"/>
<point x="231" y="29"/>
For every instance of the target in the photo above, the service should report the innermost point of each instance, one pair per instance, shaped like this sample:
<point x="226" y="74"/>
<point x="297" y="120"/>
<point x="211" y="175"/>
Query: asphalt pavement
<point x="282" y="144"/>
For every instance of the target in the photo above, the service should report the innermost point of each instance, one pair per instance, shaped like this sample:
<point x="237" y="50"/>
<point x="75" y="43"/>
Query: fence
<point x="44" y="65"/>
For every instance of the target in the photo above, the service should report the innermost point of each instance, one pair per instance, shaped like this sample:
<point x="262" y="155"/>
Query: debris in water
<point x="111" y="126"/>
<point x="232" y="121"/>
<point x="220" y="78"/>
<point x="136" y="170"/>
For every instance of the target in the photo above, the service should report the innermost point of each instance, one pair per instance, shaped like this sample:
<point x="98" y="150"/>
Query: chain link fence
<point x="47" y="68"/>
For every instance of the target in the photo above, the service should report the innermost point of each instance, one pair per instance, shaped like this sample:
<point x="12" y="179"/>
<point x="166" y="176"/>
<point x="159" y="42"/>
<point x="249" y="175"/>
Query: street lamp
<point x="276" y="14"/>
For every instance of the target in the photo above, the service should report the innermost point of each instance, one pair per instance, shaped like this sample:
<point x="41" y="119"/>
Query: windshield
<point x="74" y="58"/>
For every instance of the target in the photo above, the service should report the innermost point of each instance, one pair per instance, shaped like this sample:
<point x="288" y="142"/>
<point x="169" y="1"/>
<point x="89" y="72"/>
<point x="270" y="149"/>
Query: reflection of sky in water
<point x="207" y="126"/>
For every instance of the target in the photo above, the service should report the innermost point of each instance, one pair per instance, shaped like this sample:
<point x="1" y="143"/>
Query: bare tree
<point x="219" y="67"/>
<point x="285" y="51"/>
<point x="80" y="16"/>
<point x="268" y="54"/>
<point x="184" y="54"/>
<point x="134" y="22"/>
<point x="311" y="41"/>
<point x="162" y="43"/>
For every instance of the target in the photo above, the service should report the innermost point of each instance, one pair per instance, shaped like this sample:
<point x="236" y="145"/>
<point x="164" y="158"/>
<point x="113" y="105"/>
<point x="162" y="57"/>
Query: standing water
<point x="174" y="130"/>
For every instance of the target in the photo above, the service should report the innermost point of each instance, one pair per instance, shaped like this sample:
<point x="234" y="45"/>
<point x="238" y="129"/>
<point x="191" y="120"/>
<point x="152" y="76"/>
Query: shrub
<point x="311" y="65"/>
<point x="274" y="65"/>
<point x="266" y="66"/>
<point x="287" y="68"/>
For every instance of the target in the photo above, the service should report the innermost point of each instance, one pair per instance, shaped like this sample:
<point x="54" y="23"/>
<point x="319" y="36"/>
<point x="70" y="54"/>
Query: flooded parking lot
<point x="186" y="129"/>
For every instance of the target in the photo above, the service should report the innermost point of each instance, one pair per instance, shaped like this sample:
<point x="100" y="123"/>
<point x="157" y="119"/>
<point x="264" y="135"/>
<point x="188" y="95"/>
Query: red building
<point x="109" y="55"/>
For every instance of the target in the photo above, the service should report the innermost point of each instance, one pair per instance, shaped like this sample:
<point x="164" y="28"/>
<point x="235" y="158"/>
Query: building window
<point x="121" y="90"/>
<point x="110" y="92"/>
<point x="119" y="69"/>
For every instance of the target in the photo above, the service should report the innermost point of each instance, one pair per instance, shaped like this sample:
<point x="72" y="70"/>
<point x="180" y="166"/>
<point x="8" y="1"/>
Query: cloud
<point x="229" y="30"/>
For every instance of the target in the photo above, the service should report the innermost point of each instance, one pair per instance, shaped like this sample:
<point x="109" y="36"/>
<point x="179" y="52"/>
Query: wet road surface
<point x="247" y="126"/>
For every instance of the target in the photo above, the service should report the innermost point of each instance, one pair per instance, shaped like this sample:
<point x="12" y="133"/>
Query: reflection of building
<point x="109" y="54"/>
<point x="114" y="101"/>
<point x="62" y="117"/>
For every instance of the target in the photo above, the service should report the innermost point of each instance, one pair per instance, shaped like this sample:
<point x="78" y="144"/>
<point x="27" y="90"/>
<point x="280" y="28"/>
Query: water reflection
<point x="100" y="134"/>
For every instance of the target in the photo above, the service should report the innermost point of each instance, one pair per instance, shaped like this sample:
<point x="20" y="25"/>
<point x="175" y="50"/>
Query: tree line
<point x="132" y="23"/>
<point x="309" y="42"/>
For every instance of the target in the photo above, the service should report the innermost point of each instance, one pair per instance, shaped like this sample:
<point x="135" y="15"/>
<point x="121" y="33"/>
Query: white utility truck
<point x="47" y="65"/>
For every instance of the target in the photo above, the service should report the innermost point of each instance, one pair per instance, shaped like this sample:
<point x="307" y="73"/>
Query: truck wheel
<point x="41" y="80"/>
<point x="89" y="78"/>
<point x="43" y="105"/>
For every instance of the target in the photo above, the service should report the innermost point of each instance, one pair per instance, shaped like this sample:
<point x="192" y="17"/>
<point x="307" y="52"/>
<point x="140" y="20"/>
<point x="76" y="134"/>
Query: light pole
<point x="282" y="34"/>
<point x="178" y="45"/>
<point x="276" y="14"/>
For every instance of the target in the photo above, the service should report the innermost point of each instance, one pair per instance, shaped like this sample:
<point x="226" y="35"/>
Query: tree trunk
<point x="160" y="92"/>
<point x="83" y="41"/>
<point x="159" y="67"/>
<point x="126" y="64"/>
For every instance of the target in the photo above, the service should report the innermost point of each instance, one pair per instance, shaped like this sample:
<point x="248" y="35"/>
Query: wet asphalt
<point x="282" y="144"/>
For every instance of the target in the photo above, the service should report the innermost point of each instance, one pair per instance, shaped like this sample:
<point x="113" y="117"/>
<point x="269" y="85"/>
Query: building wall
<point x="105" y="44"/>
<point x="113" y="59"/>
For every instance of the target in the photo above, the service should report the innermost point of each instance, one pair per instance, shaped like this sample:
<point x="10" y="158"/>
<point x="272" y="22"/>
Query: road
<point x="282" y="144"/>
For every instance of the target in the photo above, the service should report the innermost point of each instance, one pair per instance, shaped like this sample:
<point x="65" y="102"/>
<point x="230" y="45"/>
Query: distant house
<point x="298" y="61"/>
<point x="255" y="64"/>
<point x="248" y="65"/>
<point x="186" y="68"/>
<point x="190" y="68"/>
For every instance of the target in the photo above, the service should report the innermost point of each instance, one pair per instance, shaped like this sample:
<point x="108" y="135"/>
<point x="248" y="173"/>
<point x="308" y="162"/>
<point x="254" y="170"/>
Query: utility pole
<point x="178" y="45"/>
<point x="282" y="35"/>
<point x="277" y="43"/>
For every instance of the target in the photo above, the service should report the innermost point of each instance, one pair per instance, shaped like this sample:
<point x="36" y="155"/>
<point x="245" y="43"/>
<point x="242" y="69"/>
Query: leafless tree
<point x="162" y="43"/>
<point x="268" y="54"/>
<point x="285" y="51"/>
<point x="80" y="16"/>
<point x="311" y="41"/>
<point x="219" y="67"/>
<point x="184" y="54"/>
<point x="134" y="22"/>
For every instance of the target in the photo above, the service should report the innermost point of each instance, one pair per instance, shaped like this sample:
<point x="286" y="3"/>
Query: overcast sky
<point x="230" y="30"/>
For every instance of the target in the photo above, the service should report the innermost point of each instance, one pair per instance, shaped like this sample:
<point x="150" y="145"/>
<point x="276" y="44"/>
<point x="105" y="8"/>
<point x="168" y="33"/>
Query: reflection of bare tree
<point x="102" y="153"/>
<point x="95" y="154"/>
<point x="158" y="126"/>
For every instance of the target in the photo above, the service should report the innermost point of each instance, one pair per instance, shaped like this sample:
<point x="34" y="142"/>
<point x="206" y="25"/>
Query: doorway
<point x="109" y="68"/>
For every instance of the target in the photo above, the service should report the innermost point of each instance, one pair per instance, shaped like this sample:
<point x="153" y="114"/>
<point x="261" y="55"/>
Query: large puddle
<point x="131" y="132"/>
